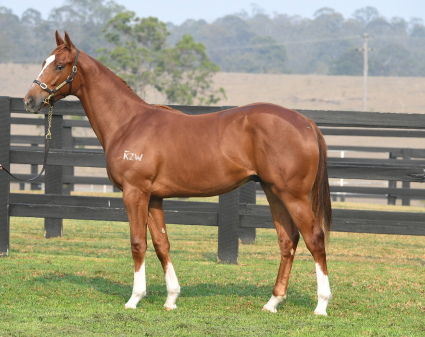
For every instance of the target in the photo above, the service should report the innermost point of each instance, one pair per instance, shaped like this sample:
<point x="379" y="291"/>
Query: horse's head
<point x="57" y="69"/>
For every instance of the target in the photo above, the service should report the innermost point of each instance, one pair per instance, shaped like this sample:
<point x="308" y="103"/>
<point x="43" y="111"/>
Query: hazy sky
<point x="178" y="11"/>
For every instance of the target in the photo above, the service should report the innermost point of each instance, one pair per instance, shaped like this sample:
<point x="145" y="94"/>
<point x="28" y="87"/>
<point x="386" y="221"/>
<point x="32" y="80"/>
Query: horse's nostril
<point x="30" y="102"/>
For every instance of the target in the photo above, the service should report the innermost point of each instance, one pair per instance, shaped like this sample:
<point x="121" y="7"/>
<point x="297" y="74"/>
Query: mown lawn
<point x="78" y="285"/>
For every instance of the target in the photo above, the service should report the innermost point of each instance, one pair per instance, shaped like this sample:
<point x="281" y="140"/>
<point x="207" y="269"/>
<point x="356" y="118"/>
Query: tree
<point x="84" y="20"/>
<point x="141" y="56"/>
<point x="263" y="55"/>
<point x="10" y="30"/>
<point x="394" y="60"/>
<point x="349" y="63"/>
<point x="417" y="28"/>
<point x="366" y="14"/>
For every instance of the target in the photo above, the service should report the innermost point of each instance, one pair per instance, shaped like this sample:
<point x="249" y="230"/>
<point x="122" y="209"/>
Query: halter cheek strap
<point x="68" y="80"/>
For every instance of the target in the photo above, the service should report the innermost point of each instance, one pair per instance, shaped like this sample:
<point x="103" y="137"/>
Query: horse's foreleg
<point x="288" y="237"/>
<point x="136" y="204"/>
<point x="156" y="223"/>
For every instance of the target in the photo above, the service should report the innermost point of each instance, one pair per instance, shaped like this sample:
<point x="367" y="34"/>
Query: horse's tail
<point x="320" y="197"/>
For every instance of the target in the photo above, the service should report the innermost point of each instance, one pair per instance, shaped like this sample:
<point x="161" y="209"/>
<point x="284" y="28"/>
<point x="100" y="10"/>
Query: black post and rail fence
<point x="236" y="214"/>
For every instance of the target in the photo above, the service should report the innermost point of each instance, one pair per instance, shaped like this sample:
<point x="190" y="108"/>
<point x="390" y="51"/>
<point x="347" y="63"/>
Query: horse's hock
<point x="236" y="214"/>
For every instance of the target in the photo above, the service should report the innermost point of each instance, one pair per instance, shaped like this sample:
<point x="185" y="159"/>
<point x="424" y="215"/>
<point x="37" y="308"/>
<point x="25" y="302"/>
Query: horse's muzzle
<point x="32" y="106"/>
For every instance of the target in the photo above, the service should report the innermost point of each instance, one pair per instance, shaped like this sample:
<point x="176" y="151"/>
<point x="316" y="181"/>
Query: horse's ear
<point x="68" y="42"/>
<point x="59" y="40"/>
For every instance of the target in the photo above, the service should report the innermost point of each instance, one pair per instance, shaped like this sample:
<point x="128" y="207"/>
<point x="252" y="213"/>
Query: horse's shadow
<point x="158" y="292"/>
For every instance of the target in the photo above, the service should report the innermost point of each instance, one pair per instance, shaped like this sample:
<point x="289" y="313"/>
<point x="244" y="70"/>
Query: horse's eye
<point x="59" y="67"/>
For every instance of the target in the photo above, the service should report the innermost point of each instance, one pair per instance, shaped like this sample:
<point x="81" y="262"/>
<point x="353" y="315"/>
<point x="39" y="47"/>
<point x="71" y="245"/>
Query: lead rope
<point x="46" y="146"/>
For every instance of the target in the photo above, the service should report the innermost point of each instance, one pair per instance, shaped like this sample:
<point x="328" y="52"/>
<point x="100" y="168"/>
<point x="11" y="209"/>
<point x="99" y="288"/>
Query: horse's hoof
<point x="129" y="307"/>
<point x="170" y="307"/>
<point x="273" y="310"/>
<point x="320" y="313"/>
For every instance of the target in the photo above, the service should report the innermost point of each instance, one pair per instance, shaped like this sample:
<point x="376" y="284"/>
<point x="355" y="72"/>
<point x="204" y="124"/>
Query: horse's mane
<point x="124" y="82"/>
<point x="164" y="107"/>
<point x="62" y="46"/>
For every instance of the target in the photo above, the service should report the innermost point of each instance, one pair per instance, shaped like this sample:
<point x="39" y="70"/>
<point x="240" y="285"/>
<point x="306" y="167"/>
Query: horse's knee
<point x="288" y="245"/>
<point x="138" y="247"/>
<point x="162" y="248"/>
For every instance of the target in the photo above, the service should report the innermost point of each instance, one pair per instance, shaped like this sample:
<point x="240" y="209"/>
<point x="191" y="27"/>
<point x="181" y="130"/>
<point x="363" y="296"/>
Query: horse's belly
<point x="200" y="179"/>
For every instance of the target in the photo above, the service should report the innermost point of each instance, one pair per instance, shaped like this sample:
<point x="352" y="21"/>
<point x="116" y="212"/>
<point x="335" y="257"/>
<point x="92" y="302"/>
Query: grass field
<point x="78" y="285"/>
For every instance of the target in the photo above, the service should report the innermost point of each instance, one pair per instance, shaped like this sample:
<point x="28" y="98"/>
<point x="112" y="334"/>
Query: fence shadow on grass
<point x="158" y="291"/>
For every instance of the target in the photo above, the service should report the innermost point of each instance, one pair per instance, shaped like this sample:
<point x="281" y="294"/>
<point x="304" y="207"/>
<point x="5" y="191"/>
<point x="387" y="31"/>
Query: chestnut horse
<point x="155" y="152"/>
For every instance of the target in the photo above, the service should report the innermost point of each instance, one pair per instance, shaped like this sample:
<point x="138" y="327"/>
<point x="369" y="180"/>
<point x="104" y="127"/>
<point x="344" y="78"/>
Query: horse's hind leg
<point x="288" y="237"/>
<point x="302" y="215"/>
<point x="156" y="223"/>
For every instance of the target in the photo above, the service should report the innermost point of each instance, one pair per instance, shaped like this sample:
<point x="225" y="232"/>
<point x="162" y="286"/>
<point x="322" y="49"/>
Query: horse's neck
<point x="107" y="101"/>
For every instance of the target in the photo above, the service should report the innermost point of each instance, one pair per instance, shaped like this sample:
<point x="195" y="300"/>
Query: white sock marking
<point x="49" y="60"/>
<point x="273" y="303"/>
<point x="139" y="288"/>
<point x="173" y="287"/>
<point x="323" y="292"/>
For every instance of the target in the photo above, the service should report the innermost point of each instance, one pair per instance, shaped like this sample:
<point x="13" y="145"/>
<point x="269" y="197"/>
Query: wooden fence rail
<point x="391" y="193"/>
<point x="236" y="214"/>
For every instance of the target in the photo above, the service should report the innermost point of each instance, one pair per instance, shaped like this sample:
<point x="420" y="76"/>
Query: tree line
<point x="243" y="42"/>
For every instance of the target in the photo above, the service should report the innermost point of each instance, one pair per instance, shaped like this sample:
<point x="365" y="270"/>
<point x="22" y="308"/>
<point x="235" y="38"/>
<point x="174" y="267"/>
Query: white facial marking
<point x="323" y="292"/>
<point x="49" y="60"/>
<point x="139" y="288"/>
<point x="173" y="287"/>
<point x="273" y="303"/>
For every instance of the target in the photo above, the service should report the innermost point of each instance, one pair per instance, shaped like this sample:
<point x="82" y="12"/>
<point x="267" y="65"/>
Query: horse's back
<point x="262" y="132"/>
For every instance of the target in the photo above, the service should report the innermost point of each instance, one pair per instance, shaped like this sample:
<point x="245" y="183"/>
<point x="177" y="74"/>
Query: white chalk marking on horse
<point x="139" y="288"/>
<point x="273" y="303"/>
<point x="173" y="287"/>
<point x="323" y="292"/>
<point x="132" y="156"/>
<point x="49" y="60"/>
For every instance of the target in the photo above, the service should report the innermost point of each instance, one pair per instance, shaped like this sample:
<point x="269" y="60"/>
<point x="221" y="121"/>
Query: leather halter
<point x="68" y="80"/>
<point x="47" y="101"/>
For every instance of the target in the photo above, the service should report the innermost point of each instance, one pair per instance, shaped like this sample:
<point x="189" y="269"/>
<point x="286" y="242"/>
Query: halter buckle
<point x="43" y="86"/>
<point x="74" y="69"/>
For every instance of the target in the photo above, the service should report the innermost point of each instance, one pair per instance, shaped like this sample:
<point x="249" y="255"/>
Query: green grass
<point x="78" y="285"/>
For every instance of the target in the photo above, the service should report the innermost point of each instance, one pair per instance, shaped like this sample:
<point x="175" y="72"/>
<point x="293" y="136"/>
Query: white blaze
<point x="139" y="288"/>
<point x="173" y="287"/>
<point x="323" y="291"/>
<point x="49" y="60"/>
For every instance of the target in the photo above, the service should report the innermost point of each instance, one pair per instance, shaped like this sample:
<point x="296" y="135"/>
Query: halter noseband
<point x="68" y="80"/>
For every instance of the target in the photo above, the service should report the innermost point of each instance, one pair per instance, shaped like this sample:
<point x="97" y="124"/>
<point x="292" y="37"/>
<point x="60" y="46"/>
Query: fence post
<point x="54" y="176"/>
<point x="405" y="200"/>
<point x="392" y="184"/>
<point x="228" y="225"/>
<point x="247" y="195"/>
<point x="4" y="177"/>
<point x="67" y="143"/>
